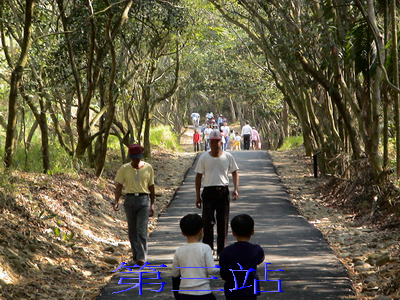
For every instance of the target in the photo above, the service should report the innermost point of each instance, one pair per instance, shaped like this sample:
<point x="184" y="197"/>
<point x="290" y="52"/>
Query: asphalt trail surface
<point x="311" y="271"/>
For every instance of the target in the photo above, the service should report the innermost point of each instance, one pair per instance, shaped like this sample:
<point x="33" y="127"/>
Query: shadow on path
<point x="311" y="270"/>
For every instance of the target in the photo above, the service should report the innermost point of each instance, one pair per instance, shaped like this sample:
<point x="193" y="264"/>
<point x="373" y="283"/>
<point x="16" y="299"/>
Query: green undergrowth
<point x="292" y="142"/>
<point x="164" y="137"/>
<point x="28" y="158"/>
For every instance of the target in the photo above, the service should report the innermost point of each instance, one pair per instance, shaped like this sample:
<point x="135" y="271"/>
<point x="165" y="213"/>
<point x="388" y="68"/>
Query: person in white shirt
<point x="238" y="139"/>
<point x="246" y="134"/>
<point x="225" y="129"/>
<point x="193" y="263"/>
<point x="214" y="199"/>
<point x="195" y="119"/>
<point x="207" y="132"/>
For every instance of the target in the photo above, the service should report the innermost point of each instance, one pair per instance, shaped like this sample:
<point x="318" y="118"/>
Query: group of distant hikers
<point x="231" y="140"/>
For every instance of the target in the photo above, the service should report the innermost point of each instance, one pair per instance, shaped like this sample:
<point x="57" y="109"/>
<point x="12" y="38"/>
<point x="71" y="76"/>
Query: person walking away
<point x="232" y="140"/>
<point x="193" y="262"/>
<point x="238" y="139"/>
<point x="246" y="134"/>
<point x="255" y="138"/>
<point x="223" y="140"/>
<point x="195" y="119"/>
<point x="203" y="127"/>
<point x="196" y="141"/>
<point x="225" y="128"/>
<point x="138" y="179"/>
<point x="214" y="199"/>
<point x="207" y="132"/>
<point x="219" y="121"/>
<point x="244" y="254"/>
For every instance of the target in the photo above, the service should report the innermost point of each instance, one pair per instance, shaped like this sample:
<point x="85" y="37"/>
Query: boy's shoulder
<point x="235" y="246"/>
<point x="192" y="246"/>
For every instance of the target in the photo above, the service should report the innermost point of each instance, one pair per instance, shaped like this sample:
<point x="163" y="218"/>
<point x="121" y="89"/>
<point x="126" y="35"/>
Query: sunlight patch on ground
<point x="5" y="276"/>
<point x="90" y="235"/>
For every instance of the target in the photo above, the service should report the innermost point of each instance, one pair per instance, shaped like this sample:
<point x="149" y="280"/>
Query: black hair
<point x="191" y="224"/>
<point x="242" y="225"/>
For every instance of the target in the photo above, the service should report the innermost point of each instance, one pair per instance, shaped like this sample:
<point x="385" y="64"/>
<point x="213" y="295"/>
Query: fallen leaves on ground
<point x="60" y="237"/>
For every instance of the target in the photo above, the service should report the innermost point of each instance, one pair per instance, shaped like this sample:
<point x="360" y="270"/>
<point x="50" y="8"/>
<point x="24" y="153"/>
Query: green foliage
<point x="162" y="136"/>
<point x="30" y="160"/>
<point x="60" y="161"/>
<point x="64" y="236"/>
<point x="292" y="142"/>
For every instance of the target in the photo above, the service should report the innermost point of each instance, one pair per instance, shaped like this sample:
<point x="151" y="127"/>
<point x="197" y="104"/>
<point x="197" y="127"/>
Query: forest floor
<point x="60" y="238"/>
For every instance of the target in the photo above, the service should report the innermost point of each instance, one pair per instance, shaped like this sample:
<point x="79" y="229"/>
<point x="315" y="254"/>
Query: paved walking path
<point x="311" y="270"/>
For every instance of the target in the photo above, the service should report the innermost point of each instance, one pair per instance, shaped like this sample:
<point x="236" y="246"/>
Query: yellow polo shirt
<point x="135" y="181"/>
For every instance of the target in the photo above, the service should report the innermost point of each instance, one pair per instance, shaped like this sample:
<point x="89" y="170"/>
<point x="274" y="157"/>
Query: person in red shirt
<point x="196" y="141"/>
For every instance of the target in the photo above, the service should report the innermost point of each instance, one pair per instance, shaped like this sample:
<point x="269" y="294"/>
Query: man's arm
<point x="118" y="192"/>
<point x="152" y="199"/>
<point x="235" y="177"/>
<point x="198" y="185"/>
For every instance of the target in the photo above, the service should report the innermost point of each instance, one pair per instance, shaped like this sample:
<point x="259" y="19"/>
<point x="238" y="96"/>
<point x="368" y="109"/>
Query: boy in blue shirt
<point x="241" y="255"/>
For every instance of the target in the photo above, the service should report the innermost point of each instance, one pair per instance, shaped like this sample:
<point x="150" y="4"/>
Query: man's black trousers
<point x="215" y="202"/>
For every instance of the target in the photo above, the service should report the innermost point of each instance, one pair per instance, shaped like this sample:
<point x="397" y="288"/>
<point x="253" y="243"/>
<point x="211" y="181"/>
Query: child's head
<point x="242" y="226"/>
<point x="191" y="224"/>
<point x="237" y="133"/>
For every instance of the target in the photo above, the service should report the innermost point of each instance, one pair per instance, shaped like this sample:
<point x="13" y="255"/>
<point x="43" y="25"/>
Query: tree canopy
<point x="75" y="74"/>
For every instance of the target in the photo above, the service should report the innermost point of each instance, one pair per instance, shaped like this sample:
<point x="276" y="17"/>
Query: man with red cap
<point x="137" y="177"/>
<point x="214" y="199"/>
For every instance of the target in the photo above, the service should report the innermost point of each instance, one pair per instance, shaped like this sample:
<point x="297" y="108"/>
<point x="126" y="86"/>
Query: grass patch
<point x="164" y="137"/>
<point x="60" y="162"/>
<point x="292" y="142"/>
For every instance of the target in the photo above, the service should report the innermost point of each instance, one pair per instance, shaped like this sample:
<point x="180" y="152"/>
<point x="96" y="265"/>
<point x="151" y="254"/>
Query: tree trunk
<point x="31" y="133"/>
<point x="45" y="142"/>
<point x="396" y="97"/>
<point x="16" y="78"/>
<point x="146" y="135"/>
<point x="338" y="100"/>
<point x="111" y="105"/>
<point x="285" y="120"/>
<point x="233" y="112"/>
<point x="385" y="105"/>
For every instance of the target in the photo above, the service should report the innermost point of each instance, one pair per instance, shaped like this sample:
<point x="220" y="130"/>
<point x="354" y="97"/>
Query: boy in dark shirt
<point x="242" y="257"/>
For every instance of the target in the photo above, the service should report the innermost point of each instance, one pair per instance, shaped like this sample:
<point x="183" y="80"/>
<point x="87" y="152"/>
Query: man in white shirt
<point x="214" y="199"/>
<point x="246" y="134"/>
